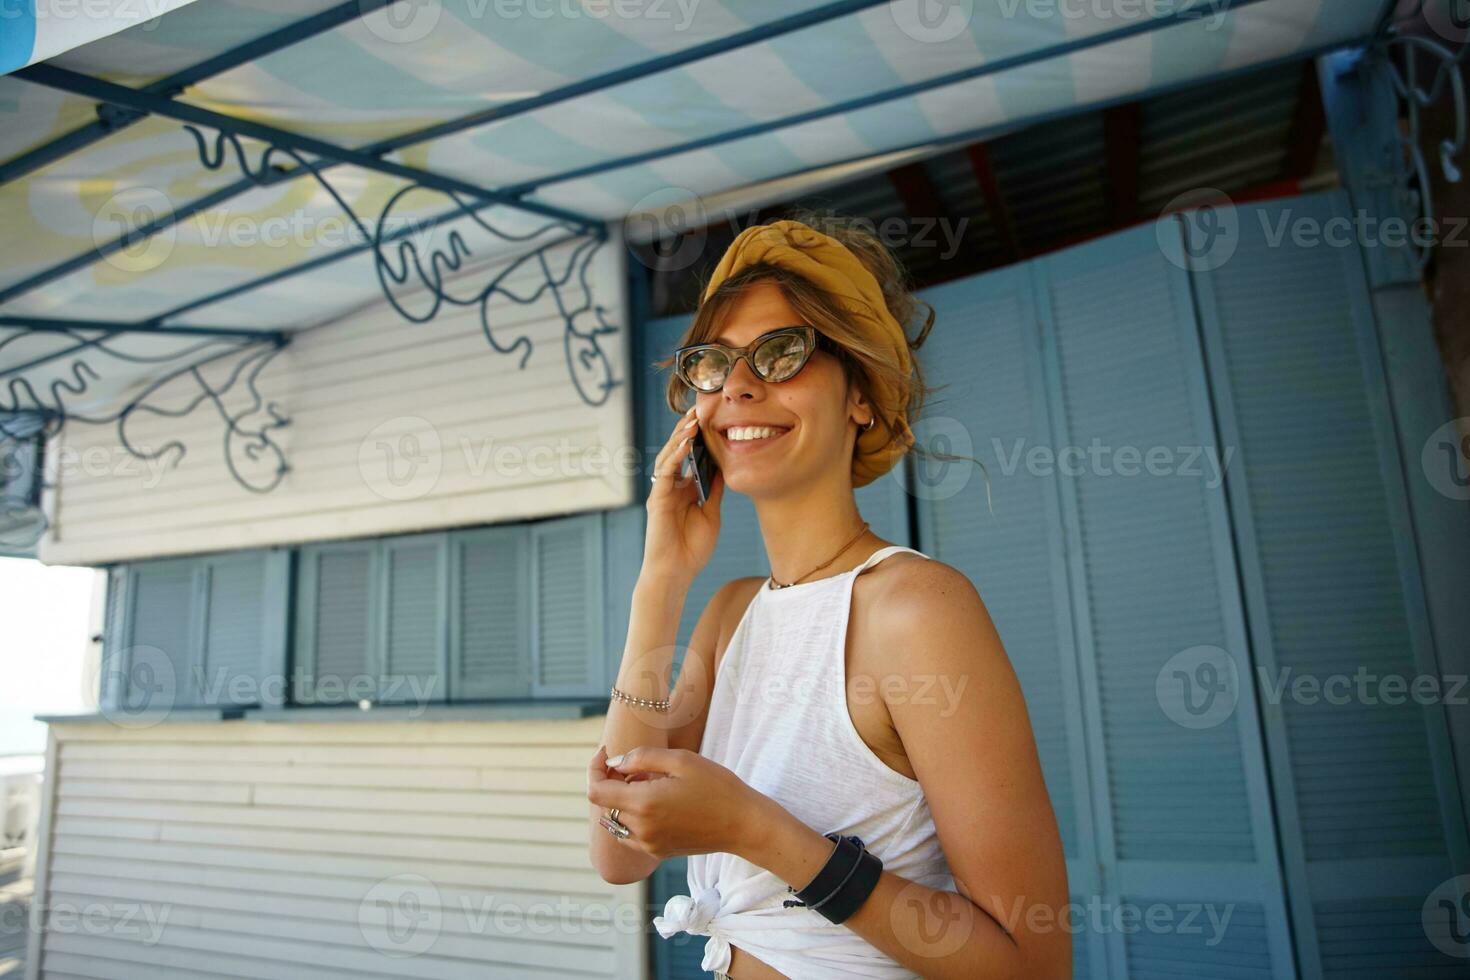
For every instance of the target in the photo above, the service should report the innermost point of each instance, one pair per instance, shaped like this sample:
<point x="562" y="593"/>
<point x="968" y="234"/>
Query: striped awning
<point x="122" y="202"/>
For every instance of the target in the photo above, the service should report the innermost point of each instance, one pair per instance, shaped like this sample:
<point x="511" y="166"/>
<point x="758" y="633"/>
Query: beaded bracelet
<point x="640" y="702"/>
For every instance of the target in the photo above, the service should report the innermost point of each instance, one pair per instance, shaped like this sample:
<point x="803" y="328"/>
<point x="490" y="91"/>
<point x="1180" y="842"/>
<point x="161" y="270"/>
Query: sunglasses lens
<point x="781" y="357"/>
<point x="706" y="369"/>
<point x="777" y="358"/>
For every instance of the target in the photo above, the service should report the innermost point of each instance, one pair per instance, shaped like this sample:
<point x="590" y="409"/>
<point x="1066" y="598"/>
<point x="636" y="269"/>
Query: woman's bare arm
<point x="647" y="663"/>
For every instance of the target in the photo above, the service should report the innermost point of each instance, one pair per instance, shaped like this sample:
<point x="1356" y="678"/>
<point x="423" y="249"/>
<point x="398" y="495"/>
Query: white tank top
<point x="778" y="719"/>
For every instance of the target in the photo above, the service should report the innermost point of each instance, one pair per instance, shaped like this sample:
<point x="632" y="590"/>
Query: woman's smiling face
<point x="809" y="413"/>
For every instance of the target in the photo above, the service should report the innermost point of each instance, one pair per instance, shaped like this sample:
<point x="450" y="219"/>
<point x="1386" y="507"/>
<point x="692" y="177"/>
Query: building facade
<point x="368" y="579"/>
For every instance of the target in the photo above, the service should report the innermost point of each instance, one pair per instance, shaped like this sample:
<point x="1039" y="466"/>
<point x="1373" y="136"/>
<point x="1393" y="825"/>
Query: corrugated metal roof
<point x="1055" y="178"/>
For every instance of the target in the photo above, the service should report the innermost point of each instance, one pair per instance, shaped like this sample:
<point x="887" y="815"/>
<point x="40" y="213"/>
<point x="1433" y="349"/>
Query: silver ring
<point x="613" y="815"/>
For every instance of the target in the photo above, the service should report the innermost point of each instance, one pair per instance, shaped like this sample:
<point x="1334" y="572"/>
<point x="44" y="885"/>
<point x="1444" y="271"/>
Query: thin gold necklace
<point x="787" y="585"/>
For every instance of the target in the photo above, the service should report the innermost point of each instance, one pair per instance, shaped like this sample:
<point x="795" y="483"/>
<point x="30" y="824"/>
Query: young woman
<point x="846" y="758"/>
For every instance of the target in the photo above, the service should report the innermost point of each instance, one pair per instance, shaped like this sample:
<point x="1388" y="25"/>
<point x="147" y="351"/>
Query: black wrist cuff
<point x="845" y="881"/>
<point x="839" y="862"/>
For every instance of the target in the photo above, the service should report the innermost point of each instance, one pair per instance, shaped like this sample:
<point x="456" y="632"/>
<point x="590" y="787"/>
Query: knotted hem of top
<point x="696" y="914"/>
<point x="809" y="952"/>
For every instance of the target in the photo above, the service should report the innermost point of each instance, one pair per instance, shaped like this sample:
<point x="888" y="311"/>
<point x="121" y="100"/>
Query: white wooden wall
<point x="361" y="391"/>
<point x="272" y="849"/>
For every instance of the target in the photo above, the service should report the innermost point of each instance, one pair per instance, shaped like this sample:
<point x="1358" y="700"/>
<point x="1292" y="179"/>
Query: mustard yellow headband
<point x="832" y="267"/>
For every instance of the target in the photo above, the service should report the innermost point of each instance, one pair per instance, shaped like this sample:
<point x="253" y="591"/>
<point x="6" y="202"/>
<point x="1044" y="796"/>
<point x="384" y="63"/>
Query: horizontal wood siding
<point x="361" y="391"/>
<point x="320" y="849"/>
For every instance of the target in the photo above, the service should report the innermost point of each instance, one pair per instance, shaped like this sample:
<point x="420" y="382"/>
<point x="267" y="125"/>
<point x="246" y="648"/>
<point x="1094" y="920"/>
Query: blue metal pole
<point x="55" y="325"/>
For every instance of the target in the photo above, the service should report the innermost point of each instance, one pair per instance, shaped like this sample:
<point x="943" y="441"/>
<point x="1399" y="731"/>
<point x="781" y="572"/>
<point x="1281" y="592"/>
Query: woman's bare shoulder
<point x="914" y="592"/>
<point x="908" y="575"/>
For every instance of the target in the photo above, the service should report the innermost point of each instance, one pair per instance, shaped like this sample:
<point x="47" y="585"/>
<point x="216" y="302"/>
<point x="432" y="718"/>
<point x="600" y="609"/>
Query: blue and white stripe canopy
<point x="596" y="108"/>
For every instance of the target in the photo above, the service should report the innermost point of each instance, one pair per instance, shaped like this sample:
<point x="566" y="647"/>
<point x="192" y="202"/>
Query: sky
<point x="44" y="619"/>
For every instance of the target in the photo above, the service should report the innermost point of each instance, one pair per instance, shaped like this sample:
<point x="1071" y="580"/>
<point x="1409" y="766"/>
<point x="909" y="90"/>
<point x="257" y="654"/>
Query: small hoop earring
<point x="871" y="422"/>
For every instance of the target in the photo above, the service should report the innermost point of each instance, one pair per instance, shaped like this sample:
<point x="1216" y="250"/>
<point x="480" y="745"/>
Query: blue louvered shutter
<point x="1183" y="813"/>
<point x="112" y="669"/>
<point x="414" y="606"/>
<point x="1367" y="793"/>
<point x="490" y="619"/>
<point x="337" y="629"/>
<point x="242" y="599"/>
<point x="986" y="349"/>
<point x="567" y="636"/>
<point x="159" y="647"/>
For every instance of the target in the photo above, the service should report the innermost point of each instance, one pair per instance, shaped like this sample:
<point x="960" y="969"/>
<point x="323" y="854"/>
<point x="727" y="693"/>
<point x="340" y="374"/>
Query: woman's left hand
<point x="678" y="802"/>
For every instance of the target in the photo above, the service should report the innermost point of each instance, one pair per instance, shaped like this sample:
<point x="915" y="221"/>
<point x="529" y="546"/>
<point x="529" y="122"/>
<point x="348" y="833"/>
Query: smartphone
<point x="704" y="466"/>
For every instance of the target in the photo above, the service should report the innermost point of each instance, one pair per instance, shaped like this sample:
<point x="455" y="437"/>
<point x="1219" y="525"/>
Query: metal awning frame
<point x="134" y="103"/>
<point x="120" y="106"/>
<point x="129" y="105"/>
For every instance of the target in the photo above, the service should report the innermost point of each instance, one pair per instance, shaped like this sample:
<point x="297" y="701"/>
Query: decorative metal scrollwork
<point x="402" y="267"/>
<point x="255" y="460"/>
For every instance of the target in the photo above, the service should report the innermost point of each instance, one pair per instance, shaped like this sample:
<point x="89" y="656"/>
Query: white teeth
<point x="741" y="433"/>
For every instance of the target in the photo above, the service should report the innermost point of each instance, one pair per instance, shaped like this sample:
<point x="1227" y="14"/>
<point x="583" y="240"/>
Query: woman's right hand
<point x="681" y="534"/>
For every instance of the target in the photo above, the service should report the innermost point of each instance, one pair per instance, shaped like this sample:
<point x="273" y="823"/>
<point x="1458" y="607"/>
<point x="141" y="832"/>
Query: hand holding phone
<point x="683" y="523"/>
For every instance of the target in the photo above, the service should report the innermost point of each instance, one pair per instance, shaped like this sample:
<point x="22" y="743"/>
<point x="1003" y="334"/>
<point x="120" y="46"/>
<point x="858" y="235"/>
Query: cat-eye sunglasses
<point x="775" y="356"/>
